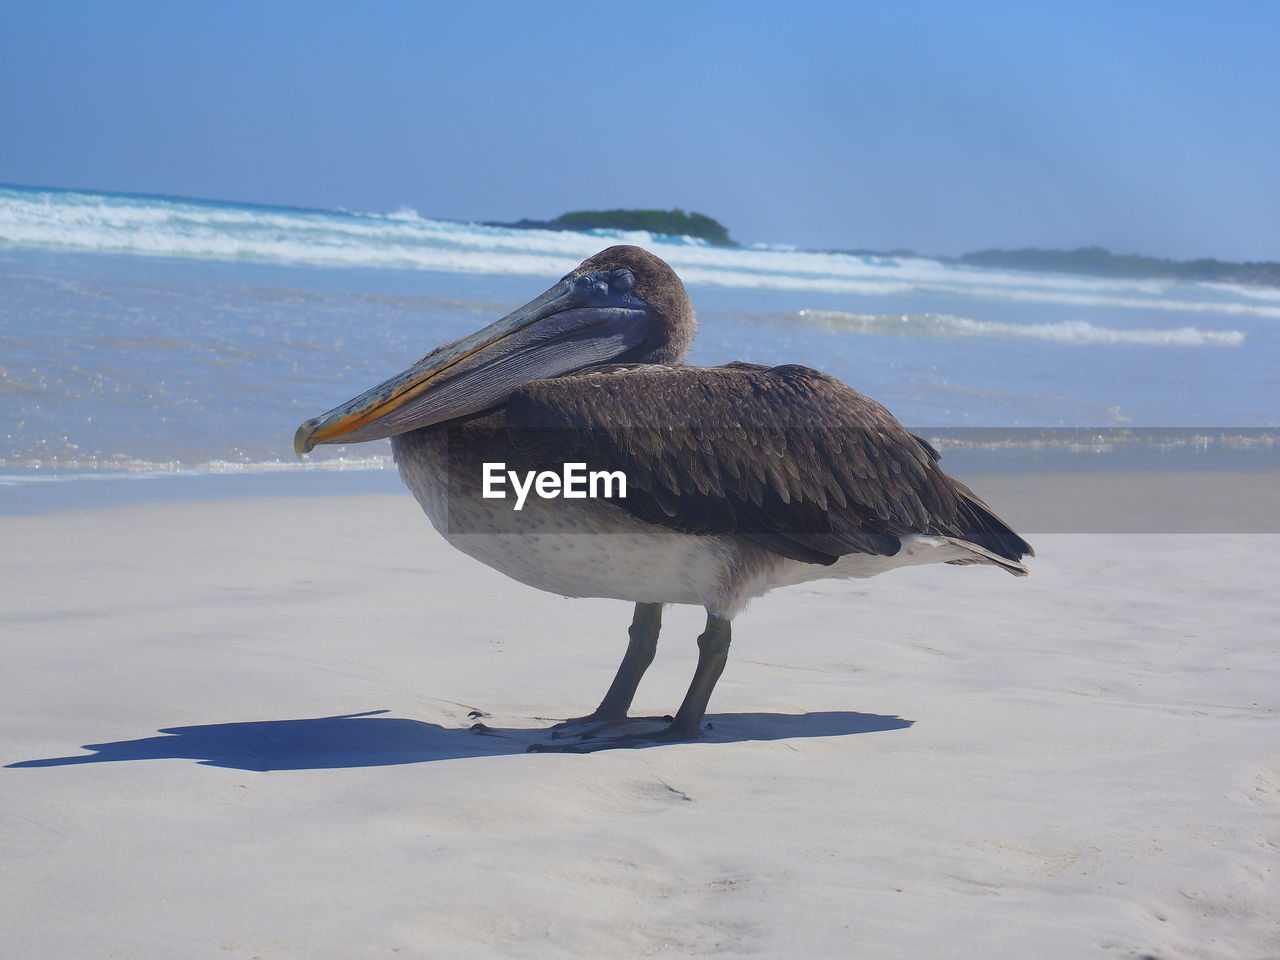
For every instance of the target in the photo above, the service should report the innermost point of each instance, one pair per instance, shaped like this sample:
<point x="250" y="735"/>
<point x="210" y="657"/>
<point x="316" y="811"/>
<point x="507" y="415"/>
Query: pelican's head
<point x="622" y="305"/>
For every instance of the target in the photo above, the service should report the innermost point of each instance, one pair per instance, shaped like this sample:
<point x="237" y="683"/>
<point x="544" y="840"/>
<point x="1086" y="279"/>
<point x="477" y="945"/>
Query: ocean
<point x="144" y="337"/>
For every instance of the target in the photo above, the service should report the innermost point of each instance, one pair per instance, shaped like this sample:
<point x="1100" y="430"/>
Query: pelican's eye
<point x="622" y="281"/>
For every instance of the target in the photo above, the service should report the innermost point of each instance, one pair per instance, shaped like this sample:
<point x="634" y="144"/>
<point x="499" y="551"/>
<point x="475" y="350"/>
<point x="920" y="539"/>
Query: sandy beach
<point x="241" y="729"/>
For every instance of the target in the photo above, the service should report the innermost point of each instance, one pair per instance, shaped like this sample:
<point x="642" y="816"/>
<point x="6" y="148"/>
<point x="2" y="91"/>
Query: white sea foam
<point x="1068" y="331"/>
<point x="67" y="469"/>
<point x="155" y="226"/>
<point x="1260" y="443"/>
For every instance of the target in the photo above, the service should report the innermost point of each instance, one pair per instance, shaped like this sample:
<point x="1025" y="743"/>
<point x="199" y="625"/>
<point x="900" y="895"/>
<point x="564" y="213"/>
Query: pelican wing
<point x="786" y="457"/>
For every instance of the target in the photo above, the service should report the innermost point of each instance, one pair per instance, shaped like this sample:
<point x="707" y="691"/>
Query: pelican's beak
<point x="580" y="321"/>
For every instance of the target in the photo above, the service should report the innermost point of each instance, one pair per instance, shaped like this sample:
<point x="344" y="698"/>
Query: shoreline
<point x="1094" y="500"/>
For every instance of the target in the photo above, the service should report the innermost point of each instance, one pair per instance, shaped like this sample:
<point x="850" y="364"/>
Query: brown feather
<point x="822" y="471"/>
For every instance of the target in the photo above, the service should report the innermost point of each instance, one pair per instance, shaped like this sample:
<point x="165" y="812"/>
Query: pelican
<point x="739" y="478"/>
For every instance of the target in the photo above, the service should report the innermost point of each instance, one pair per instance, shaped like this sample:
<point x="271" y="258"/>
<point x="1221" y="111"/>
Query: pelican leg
<point x="713" y="653"/>
<point x="641" y="647"/>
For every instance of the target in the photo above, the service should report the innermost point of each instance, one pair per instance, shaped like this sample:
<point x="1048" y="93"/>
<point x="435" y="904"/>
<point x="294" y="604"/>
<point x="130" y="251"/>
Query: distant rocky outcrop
<point x="1086" y="261"/>
<point x="674" y="222"/>
<point x="1100" y="262"/>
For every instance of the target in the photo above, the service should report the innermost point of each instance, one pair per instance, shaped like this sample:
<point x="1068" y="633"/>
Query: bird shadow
<point x="371" y="740"/>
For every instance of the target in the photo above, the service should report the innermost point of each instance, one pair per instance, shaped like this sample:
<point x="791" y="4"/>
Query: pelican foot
<point x="593" y="724"/>
<point x="668" y="734"/>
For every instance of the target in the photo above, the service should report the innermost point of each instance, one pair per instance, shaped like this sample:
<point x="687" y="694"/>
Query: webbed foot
<point x="671" y="733"/>
<point x="596" y="723"/>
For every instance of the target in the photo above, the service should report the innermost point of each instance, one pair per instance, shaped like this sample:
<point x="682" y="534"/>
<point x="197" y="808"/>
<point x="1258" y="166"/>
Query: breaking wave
<point x="175" y="227"/>
<point x="1068" y="331"/>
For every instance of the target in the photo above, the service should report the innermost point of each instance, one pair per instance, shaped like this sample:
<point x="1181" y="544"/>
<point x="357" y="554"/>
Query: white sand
<point x="1091" y="765"/>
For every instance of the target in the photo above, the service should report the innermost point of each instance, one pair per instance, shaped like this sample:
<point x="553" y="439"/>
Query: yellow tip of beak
<point x="302" y="442"/>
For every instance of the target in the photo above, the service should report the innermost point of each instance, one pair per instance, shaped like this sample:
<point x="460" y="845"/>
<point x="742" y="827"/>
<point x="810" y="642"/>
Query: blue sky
<point x="1147" y="127"/>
